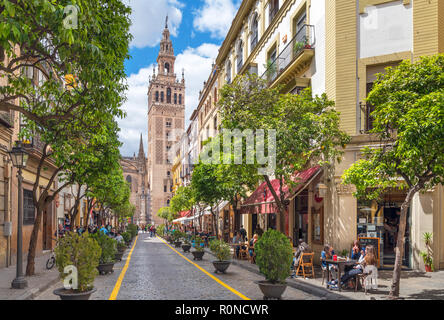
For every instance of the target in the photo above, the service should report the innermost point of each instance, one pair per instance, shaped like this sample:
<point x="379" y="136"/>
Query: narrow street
<point x="157" y="272"/>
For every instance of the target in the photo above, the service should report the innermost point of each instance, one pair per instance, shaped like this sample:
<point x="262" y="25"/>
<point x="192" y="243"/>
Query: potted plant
<point x="270" y="68"/>
<point x="297" y="47"/>
<point x="177" y="235"/>
<point x="186" y="246"/>
<point x="82" y="252"/>
<point x="199" y="249"/>
<point x="273" y="256"/>
<point x="121" y="247"/>
<point x="222" y="252"/>
<point x="109" y="250"/>
<point x="427" y="255"/>
<point x="127" y="238"/>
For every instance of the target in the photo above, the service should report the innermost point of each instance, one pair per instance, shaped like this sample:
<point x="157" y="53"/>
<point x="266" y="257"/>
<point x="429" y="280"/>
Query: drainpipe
<point x="7" y="216"/>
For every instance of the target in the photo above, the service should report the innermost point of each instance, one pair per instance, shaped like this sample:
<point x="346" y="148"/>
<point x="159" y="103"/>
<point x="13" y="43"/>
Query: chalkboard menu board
<point x="375" y="242"/>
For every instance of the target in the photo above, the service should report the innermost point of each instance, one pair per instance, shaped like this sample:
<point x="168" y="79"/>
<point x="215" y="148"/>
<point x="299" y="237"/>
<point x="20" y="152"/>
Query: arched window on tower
<point x="161" y="96"/>
<point x="157" y="96"/>
<point x="175" y="98"/>
<point x="180" y="99"/>
<point x="129" y="180"/>
<point x="168" y="95"/>
<point x="167" y="68"/>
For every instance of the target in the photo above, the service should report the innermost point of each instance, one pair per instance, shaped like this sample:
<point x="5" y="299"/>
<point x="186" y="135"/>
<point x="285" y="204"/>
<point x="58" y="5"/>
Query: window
<point x="168" y="124"/>
<point x="157" y="96"/>
<point x="180" y="99"/>
<point x="228" y="78"/>
<point x="175" y="98"/>
<point x="168" y="174"/>
<point x="318" y="223"/>
<point x="215" y="95"/>
<point x="164" y="188"/>
<point x="215" y="123"/>
<point x="168" y="95"/>
<point x="254" y="32"/>
<point x="171" y="188"/>
<point x="161" y="96"/>
<point x="240" y="56"/>
<point x="129" y="180"/>
<point x="28" y="208"/>
<point x="274" y="8"/>
<point x="167" y="66"/>
<point x="168" y="202"/>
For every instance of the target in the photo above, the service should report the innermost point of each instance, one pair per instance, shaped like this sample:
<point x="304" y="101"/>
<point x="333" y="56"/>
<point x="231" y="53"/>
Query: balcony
<point x="295" y="57"/>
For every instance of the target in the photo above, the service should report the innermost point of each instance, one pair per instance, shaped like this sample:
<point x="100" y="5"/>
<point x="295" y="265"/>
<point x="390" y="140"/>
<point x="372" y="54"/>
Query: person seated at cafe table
<point x="366" y="259"/>
<point x="252" y="243"/>
<point x="237" y="239"/>
<point x="328" y="253"/>
<point x="356" y="250"/>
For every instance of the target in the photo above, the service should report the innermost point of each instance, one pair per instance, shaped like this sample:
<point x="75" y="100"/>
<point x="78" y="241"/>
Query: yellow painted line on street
<point x="207" y="273"/>
<point x="116" y="289"/>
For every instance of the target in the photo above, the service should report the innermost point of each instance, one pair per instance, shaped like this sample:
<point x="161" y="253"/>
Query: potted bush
<point x="222" y="252"/>
<point x="274" y="255"/>
<point x="427" y="255"/>
<point x="121" y="247"/>
<point x="127" y="238"/>
<point x="83" y="252"/>
<point x="186" y="246"/>
<point x="199" y="249"/>
<point x="109" y="250"/>
<point x="177" y="235"/>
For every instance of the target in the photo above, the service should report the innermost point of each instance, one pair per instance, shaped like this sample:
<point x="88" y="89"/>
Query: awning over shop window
<point x="262" y="200"/>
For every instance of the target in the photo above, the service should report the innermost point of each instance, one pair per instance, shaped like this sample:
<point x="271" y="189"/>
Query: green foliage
<point x="409" y="121"/>
<point x="344" y="253"/>
<point x="121" y="245"/>
<point x="274" y="255"/>
<point x="427" y="255"/>
<point x="177" y="235"/>
<point x="127" y="237"/>
<point x="83" y="252"/>
<point x="133" y="230"/>
<point x="220" y="249"/>
<point x="183" y="199"/>
<point x="167" y="213"/>
<point x="108" y="246"/>
<point x="160" y="230"/>
<point x="198" y="243"/>
<point x="298" y="46"/>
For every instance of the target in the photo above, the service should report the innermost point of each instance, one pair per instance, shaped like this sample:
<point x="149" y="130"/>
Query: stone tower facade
<point x="136" y="174"/>
<point x="166" y="122"/>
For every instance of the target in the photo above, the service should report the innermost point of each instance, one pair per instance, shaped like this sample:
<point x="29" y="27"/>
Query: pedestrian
<point x="243" y="233"/>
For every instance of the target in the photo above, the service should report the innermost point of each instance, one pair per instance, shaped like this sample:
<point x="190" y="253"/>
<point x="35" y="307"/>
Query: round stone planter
<point x="70" y="295"/>
<point x="105" y="268"/>
<point x="221" y="266"/>
<point x="198" y="255"/>
<point x="118" y="256"/>
<point x="177" y="244"/>
<point x="272" y="290"/>
<point x="186" y="247"/>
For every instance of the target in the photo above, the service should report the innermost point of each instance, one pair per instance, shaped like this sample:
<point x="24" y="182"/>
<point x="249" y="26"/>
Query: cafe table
<point x="340" y="264"/>
<point x="237" y="245"/>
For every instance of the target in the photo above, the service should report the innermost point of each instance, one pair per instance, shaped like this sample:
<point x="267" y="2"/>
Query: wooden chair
<point x="305" y="261"/>
<point x="243" y="252"/>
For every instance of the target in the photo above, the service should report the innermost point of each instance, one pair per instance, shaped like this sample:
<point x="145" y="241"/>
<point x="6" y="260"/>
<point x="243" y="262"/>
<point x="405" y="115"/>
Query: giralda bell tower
<point x="166" y="119"/>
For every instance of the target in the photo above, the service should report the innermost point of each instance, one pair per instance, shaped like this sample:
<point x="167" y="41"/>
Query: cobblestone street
<point x="157" y="272"/>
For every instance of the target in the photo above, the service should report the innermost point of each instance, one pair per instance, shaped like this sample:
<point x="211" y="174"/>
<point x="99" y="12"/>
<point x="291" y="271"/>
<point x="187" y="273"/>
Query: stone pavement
<point x="415" y="285"/>
<point x="42" y="280"/>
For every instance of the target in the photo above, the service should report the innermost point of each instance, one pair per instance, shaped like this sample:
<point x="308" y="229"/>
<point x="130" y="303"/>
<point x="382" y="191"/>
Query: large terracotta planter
<point x="106" y="268"/>
<point x="70" y="295"/>
<point x="272" y="290"/>
<point x="198" y="255"/>
<point x="221" y="266"/>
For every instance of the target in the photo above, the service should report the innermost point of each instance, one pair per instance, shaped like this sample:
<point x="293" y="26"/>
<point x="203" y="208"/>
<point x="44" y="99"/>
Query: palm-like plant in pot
<point x="427" y="255"/>
<point x="199" y="250"/>
<point x="83" y="253"/>
<point x="109" y="250"/>
<point x="273" y="256"/>
<point x="222" y="252"/>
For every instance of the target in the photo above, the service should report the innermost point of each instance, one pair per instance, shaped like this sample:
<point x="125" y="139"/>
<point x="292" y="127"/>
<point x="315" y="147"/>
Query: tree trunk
<point x="399" y="250"/>
<point x="30" y="266"/>
<point x="280" y="205"/>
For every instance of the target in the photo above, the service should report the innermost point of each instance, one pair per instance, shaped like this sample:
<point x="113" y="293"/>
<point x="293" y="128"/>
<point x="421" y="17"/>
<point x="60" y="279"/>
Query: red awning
<point x="262" y="200"/>
<point x="184" y="214"/>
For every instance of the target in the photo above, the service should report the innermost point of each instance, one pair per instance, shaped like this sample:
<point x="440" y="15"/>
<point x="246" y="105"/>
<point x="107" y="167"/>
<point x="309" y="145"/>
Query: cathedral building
<point x="166" y="122"/>
<point x="136" y="174"/>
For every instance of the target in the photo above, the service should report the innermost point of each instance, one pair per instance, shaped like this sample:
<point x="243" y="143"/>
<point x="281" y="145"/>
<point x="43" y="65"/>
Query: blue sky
<point x="198" y="28"/>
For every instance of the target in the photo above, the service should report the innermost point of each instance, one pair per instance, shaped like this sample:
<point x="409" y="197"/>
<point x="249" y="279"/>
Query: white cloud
<point x="197" y="64"/>
<point x="216" y="17"/>
<point x="148" y="20"/>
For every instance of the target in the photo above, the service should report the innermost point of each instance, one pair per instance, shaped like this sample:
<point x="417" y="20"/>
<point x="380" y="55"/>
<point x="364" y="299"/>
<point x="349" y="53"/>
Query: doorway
<point x="300" y="227"/>
<point x="390" y="236"/>
<point x="47" y="228"/>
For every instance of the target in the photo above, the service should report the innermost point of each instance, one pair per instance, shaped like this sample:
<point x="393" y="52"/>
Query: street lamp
<point x="19" y="158"/>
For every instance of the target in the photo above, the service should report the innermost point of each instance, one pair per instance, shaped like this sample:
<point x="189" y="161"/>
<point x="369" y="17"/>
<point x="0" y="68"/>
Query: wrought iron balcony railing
<point x="304" y="39"/>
